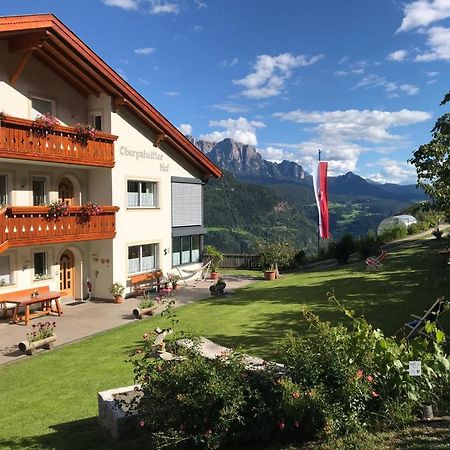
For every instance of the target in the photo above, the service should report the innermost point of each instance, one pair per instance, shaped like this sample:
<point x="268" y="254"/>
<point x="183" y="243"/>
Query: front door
<point x="67" y="273"/>
<point x="65" y="192"/>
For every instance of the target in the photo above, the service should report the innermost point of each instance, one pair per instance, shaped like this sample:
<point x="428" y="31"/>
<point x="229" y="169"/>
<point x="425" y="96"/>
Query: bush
<point x="368" y="245"/>
<point x="344" y="248"/>
<point x="393" y="234"/>
<point x="340" y="380"/>
<point x="275" y="255"/>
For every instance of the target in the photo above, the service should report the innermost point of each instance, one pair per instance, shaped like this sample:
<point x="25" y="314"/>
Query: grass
<point x="51" y="397"/>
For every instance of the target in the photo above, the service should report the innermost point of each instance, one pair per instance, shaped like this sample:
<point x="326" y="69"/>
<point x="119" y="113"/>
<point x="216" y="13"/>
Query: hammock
<point x="196" y="274"/>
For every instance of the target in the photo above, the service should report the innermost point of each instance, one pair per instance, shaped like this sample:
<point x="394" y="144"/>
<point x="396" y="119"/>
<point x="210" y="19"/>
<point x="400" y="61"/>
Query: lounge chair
<point x="194" y="275"/>
<point x="417" y="326"/>
<point x="376" y="262"/>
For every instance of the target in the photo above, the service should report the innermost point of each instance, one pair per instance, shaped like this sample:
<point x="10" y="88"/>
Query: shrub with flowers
<point x="57" y="209"/>
<point x="83" y="134"/>
<point x="44" y="124"/>
<point x="88" y="210"/>
<point x="41" y="330"/>
<point x="340" y="380"/>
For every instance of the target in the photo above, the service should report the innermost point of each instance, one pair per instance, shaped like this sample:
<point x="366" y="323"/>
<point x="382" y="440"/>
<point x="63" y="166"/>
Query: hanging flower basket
<point x="88" y="210"/>
<point x="83" y="134"/>
<point x="57" y="209"/>
<point x="44" y="125"/>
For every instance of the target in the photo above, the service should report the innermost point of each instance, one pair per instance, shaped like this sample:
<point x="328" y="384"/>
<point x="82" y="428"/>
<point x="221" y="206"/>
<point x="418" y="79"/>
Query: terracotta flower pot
<point x="118" y="299"/>
<point x="214" y="275"/>
<point x="270" y="275"/>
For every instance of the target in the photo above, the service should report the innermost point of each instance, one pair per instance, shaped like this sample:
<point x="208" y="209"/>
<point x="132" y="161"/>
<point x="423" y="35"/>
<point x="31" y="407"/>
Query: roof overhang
<point x="56" y="46"/>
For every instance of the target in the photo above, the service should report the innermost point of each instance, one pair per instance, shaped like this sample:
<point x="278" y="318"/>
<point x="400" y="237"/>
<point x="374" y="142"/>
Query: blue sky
<point x="360" y="79"/>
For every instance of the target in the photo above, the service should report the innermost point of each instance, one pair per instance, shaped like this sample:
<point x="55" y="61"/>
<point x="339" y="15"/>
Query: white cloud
<point x="231" y="108"/>
<point x="143" y="81"/>
<point x="158" y="7"/>
<point x="122" y="73"/>
<point x="392" y="88"/>
<point x="398" y="55"/>
<point x="422" y="13"/>
<point x="241" y="130"/>
<point x="124" y="4"/>
<point x="228" y="63"/>
<point x="186" y="128"/>
<point x="344" y="135"/>
<point x="270" y="74"/>
<point x="144" y="50"/>
<point x="277" y="154"/>
<point x="432" y="74"/>
<point x="432" y="81"/>
<point x="200" y="4"/>
<point x="197" y="29"/>
<point x="171" y="93"/>
<point x="438" y="41"/>
<point x="392" y="171"/>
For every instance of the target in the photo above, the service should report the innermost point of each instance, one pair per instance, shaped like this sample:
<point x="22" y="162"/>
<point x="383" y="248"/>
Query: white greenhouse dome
<point x="404" y="220"/>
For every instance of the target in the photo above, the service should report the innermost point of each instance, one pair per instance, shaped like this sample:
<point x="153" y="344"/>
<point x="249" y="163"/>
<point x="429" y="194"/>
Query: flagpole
<point x="318" y="221"/>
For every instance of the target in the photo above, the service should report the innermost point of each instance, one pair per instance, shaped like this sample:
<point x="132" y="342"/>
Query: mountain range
<point x="259" y="199"/>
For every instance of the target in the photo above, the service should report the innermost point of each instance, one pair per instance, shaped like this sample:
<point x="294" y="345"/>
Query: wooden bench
<point x="7" y="300"/>
<point x="144" y="282"/>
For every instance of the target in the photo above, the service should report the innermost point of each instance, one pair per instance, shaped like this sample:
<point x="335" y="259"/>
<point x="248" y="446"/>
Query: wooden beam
<point x="117" y="103"/>
<point x="72" y="69"/>
<point x="20" y="67"/>
<point x="66" y="76"/>
<point x="159" y="137"/>
<point x="27" y="41"/>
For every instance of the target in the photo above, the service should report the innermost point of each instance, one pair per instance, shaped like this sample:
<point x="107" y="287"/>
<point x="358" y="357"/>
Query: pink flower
<point x="369" y="378"/>
<point x="281" y="426"/>
<point x="359" y="374"/>
<point x="296" y="424"/>
<point x="375" y="394"/>
<point x="141" y="423"/>
<point x="296" y="394"/>
<point x="208" y="433"/>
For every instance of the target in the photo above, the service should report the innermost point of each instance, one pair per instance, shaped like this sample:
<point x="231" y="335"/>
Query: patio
<point x="83" y="319"/>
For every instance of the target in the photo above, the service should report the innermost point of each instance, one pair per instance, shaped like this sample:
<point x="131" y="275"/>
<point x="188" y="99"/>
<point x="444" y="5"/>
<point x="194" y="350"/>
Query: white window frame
<point x="140" y="206"/>
<point x="46" y="268"/>
<point x="35" y="115"/>
<point x="7" y="189"/>
<point x="46" y="183"/>
<point x="10" y="279"/>
<point x="180" y="252"/>
<point x="141" y="268"/>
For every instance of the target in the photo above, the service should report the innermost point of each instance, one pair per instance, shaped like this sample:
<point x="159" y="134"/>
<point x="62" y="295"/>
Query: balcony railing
<point x="21" y="226"/>
<point x="18" y="140"/>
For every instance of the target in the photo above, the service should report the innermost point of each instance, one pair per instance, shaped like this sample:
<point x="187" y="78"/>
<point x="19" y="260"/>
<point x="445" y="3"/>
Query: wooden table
<point x="46" y="299"/>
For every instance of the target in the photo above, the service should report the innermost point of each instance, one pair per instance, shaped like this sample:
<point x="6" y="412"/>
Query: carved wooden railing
<point x="21" y="226"/>
<point x="18" y="140"/>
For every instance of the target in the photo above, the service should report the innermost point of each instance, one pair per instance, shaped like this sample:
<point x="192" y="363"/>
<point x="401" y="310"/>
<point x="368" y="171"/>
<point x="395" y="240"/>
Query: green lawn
<point x="49" y="401"/>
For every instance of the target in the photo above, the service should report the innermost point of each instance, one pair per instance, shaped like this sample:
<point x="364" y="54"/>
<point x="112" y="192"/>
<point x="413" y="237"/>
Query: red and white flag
<point x="321" y="192"/>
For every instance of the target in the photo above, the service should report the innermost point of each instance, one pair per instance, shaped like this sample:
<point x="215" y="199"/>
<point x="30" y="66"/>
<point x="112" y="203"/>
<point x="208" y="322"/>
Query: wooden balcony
<point x="21" y="226"/>
<point x="17" y="141"/>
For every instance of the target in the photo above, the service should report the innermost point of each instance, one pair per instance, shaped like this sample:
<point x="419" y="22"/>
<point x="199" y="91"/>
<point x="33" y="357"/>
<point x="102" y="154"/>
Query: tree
<point x="432" y="162"/>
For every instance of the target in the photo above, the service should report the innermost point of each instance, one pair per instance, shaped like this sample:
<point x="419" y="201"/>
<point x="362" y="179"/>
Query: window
<point x="96" y="121"/>
<point x="5" y="270"/>
<point x="185" y="249"/>
<point x="39" y="191"/>
<point x="142" y="194"/>
<point x="141" y="258"/>
<point x="40" y="106"/>
<point x="3" y="190"/>
<point x="40" y="265"/>
<point x="187" y="204"/>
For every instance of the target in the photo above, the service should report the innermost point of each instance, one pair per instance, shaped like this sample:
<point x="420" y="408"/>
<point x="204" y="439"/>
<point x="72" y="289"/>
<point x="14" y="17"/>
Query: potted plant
<point x="218" y="288"/>
<point x="57" y="209"/>
<point x="216" y="257"/>
<point x="44" y="125"/>
<point x="274" y="254"/>
<point x="145" y="307"/>
<point x="83" y="134"/>
<point x="88" y="210"/>
<point x="117" y="290"/>
<point x="42" y="336"/>
<point x="174" y="279"/>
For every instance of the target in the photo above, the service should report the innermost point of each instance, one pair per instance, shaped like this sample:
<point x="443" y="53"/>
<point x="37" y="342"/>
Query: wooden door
<point x="67" y="273"/>
<point x="65" y="192"/>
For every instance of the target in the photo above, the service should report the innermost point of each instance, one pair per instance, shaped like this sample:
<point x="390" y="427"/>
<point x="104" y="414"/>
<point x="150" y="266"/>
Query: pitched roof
<point x="58" y="47"/>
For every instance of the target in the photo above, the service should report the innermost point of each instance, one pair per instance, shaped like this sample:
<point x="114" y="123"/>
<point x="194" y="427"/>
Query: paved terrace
<point x="83" y="319"/>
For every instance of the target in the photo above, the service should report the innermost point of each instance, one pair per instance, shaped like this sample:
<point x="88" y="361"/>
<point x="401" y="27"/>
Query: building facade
<point x="144" y="175"/>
